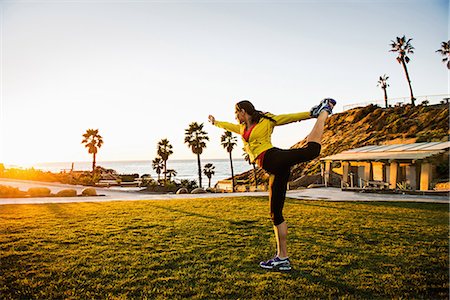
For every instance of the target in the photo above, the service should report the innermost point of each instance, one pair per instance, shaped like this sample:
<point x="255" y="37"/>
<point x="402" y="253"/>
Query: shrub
<point x="129" y="177"/>
<point x="39" y="192"/>
<point x="67" y="193"/>
<point x="10" y="192"/>
<point x="89" y="192"/>
<point x="189" y="184"/>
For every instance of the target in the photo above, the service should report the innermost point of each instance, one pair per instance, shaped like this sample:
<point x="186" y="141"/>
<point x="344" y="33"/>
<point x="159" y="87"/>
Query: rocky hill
<point x="372" y="125"/>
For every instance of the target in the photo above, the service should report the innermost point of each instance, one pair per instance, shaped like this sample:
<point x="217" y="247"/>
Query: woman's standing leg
<point x="277" y="194"/>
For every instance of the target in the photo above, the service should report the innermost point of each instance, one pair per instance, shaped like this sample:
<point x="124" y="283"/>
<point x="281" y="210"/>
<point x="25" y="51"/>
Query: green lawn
<point x="211" y="249"/>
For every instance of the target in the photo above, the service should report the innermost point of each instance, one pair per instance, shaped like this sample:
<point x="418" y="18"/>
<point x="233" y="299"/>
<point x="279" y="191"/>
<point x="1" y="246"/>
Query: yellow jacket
<point x="260" y="137"/>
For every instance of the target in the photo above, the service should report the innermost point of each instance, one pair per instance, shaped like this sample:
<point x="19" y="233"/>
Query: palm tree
<point x="164" y="150"/>
<point x="93" y="141"/>
<point x="195" y="137"/>
<point x="158" y="166"/>
<point x="208" y="170"/>
<point x="403" y="47"/>
<point x="382" y="82"/>
<point x="228" y="141"/>
<point x="247" y="159"/>
<point x="170" y="173"/>
<point x="445" y="52"/>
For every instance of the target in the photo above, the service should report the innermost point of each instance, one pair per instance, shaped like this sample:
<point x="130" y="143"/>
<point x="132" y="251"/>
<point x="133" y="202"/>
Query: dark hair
<point x="249" y="108"/>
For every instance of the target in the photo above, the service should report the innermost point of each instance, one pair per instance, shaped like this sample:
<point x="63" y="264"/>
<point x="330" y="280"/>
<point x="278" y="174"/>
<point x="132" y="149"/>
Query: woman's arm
<point x="225" y="125"/>
<point x="290" y="118"/>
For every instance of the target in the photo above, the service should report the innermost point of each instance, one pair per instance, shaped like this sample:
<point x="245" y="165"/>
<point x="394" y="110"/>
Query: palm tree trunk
<point x="93" y="162"/>
<point x="254" y="175"/>
<point x="385" y="97"/>
<point x="232" y="173"/>
<point x="199" y="171"/>
<point x="409" y="82"/>
<point x="165" y="172"/>
<point x="209" y="182"/>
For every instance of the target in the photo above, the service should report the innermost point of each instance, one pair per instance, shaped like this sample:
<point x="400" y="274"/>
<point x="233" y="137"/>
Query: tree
<point x="158" y="166"/>
<point x="170" y="173"/>
<point x="164" y="150"/>
<point x="195" y="137"/>
<point x="228" y="142"/>
<point x="403" y="47"/>
<point x="445" y="52"/>
<point x="247" y="159"/>
<point x="93" y="141"/>
<point x="208" y="170"/>
<point x="382" y="82"/>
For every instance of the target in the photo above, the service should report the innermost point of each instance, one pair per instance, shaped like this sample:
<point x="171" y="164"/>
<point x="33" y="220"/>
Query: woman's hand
<point x="211" y="119"/>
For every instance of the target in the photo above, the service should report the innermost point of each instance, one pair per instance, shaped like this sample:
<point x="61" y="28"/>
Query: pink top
<point x="247" y="132"/>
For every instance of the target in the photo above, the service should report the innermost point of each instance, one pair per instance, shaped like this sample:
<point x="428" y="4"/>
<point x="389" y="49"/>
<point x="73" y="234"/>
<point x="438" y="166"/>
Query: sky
<point x="142" y="71"/>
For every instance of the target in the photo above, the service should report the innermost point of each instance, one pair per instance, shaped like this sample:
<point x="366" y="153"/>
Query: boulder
<point x="89" y="192"/>
<point x="198" y="191"/>
<point x="39" y="192"/>
<point x="67" y="193"/>
<point x="182" y="191"/>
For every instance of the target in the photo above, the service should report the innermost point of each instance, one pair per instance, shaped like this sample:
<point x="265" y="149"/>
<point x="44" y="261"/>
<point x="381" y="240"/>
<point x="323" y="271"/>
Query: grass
<point x="211" y="249"/>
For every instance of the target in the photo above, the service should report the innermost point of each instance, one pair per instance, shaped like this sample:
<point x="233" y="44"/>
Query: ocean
<point x="186" y="169"/>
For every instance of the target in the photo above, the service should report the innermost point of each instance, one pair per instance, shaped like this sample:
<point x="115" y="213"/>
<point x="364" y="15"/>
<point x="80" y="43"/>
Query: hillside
<point x="373" y="125"/>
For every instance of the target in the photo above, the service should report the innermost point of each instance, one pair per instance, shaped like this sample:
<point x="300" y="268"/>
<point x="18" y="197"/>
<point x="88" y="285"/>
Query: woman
<point x="256" y="129"/>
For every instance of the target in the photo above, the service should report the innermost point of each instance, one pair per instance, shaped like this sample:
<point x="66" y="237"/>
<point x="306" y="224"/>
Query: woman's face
<point x="239" y="114"/>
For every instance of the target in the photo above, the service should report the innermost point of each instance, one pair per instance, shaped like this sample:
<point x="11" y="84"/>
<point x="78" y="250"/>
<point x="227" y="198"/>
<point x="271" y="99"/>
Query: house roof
<point x="392" y="152"/>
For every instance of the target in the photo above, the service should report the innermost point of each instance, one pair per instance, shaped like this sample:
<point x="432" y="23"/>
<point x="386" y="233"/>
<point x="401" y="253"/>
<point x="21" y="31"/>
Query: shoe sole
<point x="276" y="268"/>
<point x="285" y="268"/>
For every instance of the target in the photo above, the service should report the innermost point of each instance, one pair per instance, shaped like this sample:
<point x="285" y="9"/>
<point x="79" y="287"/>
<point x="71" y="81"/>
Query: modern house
<point x="405" y="166"/>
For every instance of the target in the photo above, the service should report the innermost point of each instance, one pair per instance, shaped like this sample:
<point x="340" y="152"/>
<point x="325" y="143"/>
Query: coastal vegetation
<point x="208" y="170"/>
<point x="164" y="150"/>
<point x="445" y="52"/>
<point x="195" y="138"/>
<point x="158" y="166"/>
<point x="253" y="164"/>
<point x="403" y="47"/>
<point x="210" y="249"/>
<point x="382" y="83"/>
<point x="93" y="141"/>
<point x="228" y="142"/>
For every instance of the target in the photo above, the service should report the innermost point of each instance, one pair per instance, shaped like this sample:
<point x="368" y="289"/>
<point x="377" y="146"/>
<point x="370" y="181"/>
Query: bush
<point x="89" y="192"/>
<point x="129" y="177"/>
<point x="189" y="184"/>
<point x="39" y="192"/>
<point x="10" y="192"/>
<point x="67" y="193"/>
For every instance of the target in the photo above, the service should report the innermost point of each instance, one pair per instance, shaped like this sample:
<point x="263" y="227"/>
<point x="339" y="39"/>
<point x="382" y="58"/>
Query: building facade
<point x="401" y="166"/>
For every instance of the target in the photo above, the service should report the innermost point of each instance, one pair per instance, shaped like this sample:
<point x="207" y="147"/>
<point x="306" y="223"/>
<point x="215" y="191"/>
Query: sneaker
<point x="276" y="263"/>
<point x="326" y="104"/>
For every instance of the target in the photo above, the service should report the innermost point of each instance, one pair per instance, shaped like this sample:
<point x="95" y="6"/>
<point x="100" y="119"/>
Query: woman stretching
<point x="256" y="129"/>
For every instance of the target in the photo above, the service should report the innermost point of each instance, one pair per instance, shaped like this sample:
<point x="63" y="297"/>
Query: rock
<point x="67" y="193"/>
<point x="39" y="192"/>
<point x="240" y="188"/>
<point x="89" y="192"/>
<point x="182" y="191"/>
<point x="198" y="191"/>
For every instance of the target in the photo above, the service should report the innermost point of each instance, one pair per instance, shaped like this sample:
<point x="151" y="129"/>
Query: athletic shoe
<point x="326" y="104"/>
<point x="276" y="263"/>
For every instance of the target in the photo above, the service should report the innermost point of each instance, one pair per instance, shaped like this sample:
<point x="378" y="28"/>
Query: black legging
<point x="278" y="162"/>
